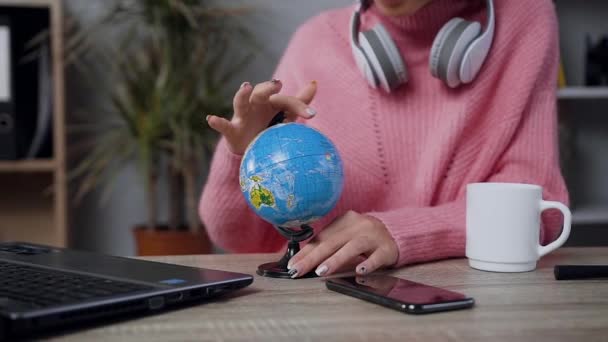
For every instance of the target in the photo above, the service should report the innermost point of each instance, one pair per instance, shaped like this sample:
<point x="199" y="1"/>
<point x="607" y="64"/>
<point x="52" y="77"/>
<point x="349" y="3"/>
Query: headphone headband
<point x="478" y="50"/>
<point x="489" y="30"/>
<point x="364" y="4"/>
<point x="491" y="19"/>
<point x="363" y="62"/>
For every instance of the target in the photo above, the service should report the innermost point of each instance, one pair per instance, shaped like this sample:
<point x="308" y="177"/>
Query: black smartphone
<point x="400" y="294"/>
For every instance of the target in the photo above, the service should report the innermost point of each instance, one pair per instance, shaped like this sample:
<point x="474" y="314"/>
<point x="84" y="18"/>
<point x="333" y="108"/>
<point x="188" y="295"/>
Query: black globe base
<point x="275" y="270"/>
<point x="278" y="269"/>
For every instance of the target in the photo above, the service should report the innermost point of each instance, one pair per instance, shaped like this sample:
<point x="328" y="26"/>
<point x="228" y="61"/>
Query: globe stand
<point x="278" y="269"/>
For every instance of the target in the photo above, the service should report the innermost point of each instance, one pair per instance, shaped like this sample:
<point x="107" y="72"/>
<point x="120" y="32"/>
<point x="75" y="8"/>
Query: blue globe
<point x="291" y="175"/>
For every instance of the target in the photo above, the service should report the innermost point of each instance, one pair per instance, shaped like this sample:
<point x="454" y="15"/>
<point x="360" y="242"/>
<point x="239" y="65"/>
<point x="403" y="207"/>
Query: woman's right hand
<point x="254" y="108"/>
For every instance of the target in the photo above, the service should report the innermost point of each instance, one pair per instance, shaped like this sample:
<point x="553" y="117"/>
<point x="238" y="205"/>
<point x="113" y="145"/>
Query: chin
<point x="391" y="4"/>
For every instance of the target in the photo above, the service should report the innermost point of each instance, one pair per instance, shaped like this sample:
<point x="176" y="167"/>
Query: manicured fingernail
<point x="321" y="270"/>
<point x="314" y="82"/>
<point x="245" y="84"/>
<point x="362" y="270"/>
<point x="275" y="81"/>
<point x="311" y="112"/>
<point x="289" y="265"/>
<point x="207" y="117"/>
<point x="293" y="273"/>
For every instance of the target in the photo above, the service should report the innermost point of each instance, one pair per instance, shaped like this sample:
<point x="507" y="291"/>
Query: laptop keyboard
<point x="38" y="287"/>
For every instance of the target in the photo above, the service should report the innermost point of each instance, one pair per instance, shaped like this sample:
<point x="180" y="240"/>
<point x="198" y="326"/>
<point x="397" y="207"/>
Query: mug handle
<point x="544" y="205"/>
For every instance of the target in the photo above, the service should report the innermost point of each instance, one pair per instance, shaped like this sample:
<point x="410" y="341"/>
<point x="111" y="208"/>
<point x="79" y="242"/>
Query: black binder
<point x="8" y="138"/>
<point x="26" y="113"/>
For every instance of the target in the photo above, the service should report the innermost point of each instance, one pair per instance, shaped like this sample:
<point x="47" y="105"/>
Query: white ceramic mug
<point x="503" y="226"/>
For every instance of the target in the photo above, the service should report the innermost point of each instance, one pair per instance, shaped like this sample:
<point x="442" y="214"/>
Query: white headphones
<point x="459" y="50"/>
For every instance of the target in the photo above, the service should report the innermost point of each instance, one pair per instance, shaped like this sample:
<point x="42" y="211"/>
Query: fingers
<point x="241" y="99"/>
<point x="326" y="243"/>
<point x="263" y="91"/>
<point x="291" y="105"/>
<point x="301" y="254"/>
<point x="307" y="93"/>
<point x="315" y="257"/>
<point x="349" y="266"/>
<point x="376" y="260"/>
<point x="350" y="251"/>
<point x="219" y="124"/>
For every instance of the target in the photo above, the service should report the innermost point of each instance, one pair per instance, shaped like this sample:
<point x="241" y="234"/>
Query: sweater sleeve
<point x="438" y="232"/>
<point x="529" y="155"/>
<point x="229" y="221"/>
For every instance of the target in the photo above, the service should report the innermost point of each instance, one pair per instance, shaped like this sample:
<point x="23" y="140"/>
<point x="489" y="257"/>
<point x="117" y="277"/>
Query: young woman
<point x="409" y="149"/>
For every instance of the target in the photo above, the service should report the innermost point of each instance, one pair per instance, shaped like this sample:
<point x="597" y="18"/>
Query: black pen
<point x="573" y="272"/>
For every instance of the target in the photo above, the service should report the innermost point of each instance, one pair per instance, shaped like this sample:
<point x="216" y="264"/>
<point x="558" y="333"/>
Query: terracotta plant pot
<point x="163" y="241"/>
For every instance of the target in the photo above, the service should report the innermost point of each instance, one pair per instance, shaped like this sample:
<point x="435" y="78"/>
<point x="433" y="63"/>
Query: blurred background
<point x="103" y="144"/>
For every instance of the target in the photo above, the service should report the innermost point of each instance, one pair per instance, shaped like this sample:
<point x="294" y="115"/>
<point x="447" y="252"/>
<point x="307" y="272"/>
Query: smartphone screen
<point x="401" y="294"/>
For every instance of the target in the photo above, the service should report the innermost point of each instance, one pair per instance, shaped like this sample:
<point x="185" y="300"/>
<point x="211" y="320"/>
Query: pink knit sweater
<point x="409" y="155"/>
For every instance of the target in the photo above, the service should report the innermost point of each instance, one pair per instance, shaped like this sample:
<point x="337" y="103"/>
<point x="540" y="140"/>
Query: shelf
<point x="572" y="93"/>
<point x="33" y="165"/>
<point x="590" y="215"/>
<point x="33" y="195"/>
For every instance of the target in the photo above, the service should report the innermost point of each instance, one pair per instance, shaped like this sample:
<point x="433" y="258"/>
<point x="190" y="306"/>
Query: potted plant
<point x="171" y="69"/>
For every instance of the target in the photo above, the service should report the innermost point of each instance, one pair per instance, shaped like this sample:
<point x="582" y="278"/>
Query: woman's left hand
<point x="344" y="240"/>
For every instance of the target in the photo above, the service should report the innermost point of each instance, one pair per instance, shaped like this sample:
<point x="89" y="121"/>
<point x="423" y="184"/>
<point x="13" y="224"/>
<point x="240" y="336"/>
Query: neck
<point x="427" y="19"/>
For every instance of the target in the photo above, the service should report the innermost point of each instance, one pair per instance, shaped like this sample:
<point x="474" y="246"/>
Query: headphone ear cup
<point x="364" y="66"/>
<point x="383" y="57"/>
<point x="368" y="40"/>
<point x="447" y="55"/>
<point x="438" y="43"/>
<point x="396" y="60"/>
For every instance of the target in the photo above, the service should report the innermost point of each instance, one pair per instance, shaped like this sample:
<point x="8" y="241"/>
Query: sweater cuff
<point x="425" y="234"/>
<point x="223" y="156"/>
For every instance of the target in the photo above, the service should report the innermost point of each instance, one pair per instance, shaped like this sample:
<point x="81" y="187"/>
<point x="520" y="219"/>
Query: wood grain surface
<point x="522" y="306"/>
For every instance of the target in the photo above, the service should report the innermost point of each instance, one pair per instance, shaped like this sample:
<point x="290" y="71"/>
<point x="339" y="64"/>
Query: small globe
<point x="291" y="175"/>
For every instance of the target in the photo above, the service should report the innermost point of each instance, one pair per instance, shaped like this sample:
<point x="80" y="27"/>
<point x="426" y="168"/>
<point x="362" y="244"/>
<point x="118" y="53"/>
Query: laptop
<point x="43" y="288"/>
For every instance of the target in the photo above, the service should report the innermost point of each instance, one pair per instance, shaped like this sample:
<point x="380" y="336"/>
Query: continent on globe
<point x="261" y="196"/>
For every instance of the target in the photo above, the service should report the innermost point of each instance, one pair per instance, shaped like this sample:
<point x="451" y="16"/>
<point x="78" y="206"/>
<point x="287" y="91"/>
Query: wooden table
<point x="521" y="306"/>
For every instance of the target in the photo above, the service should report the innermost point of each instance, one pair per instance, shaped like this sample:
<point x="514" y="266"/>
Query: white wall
<point x="106" y="227"/>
